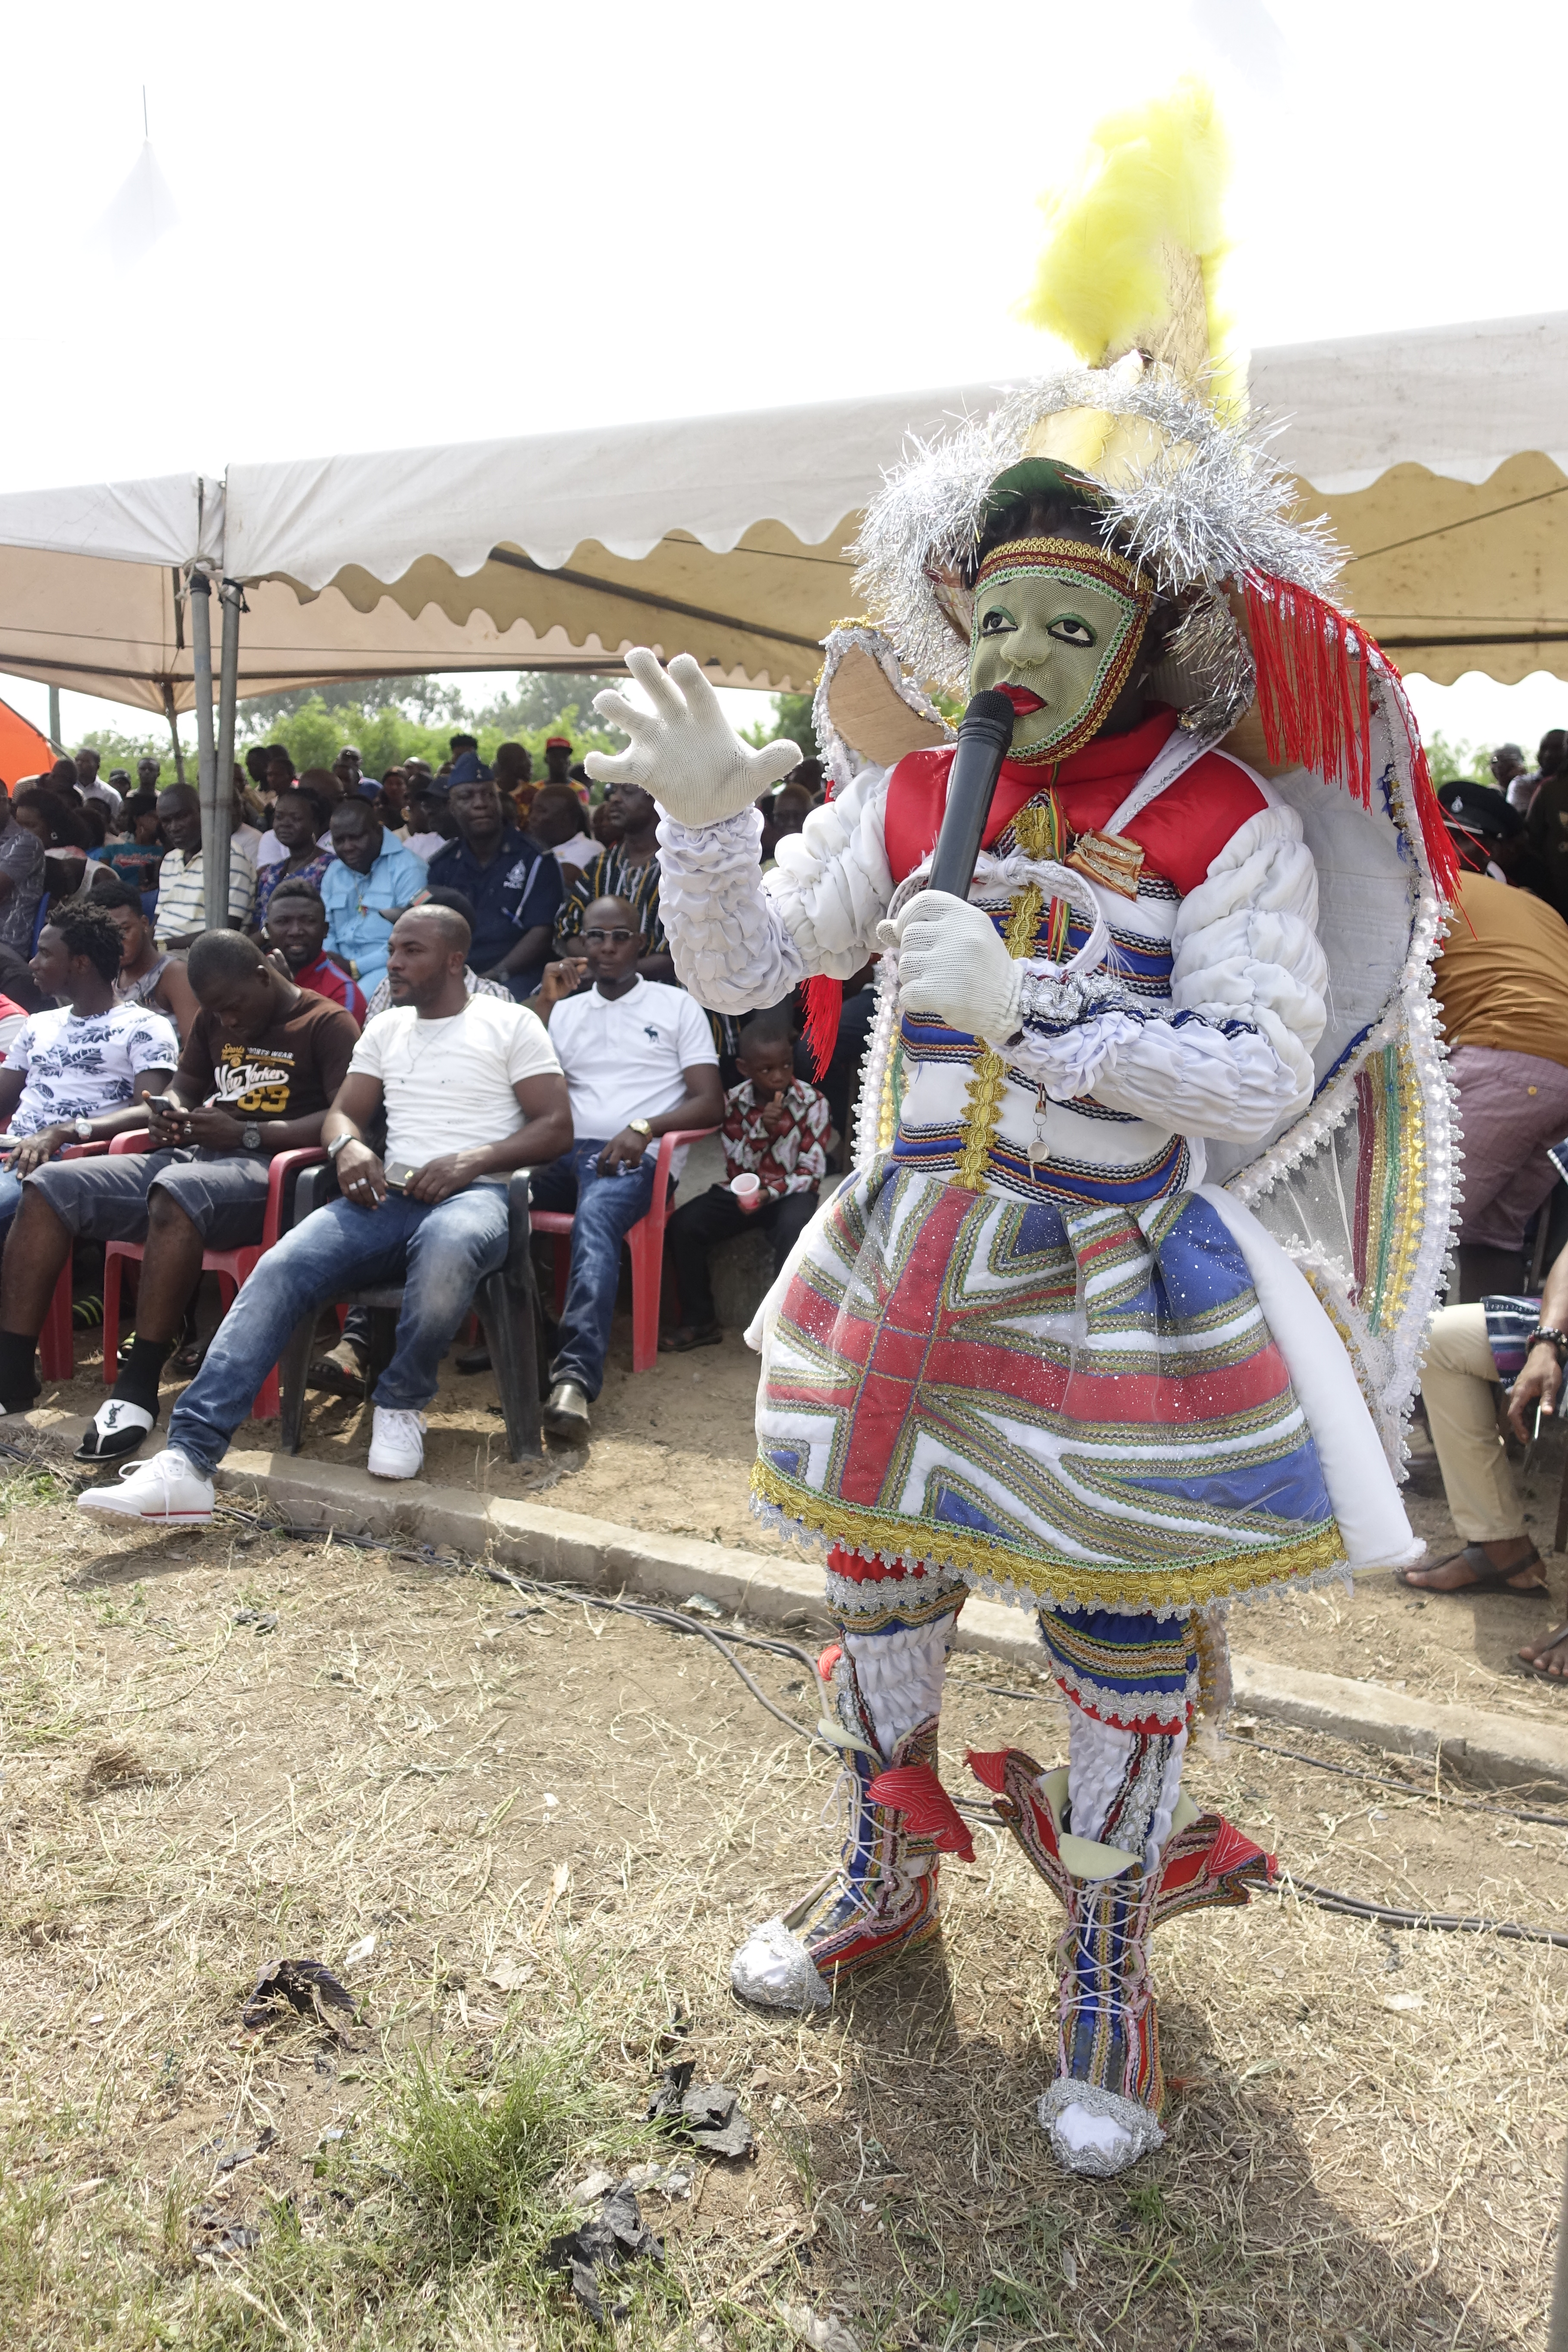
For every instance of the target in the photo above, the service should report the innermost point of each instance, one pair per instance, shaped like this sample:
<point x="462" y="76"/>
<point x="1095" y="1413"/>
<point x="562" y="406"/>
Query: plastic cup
<point x="748" y="1190"/>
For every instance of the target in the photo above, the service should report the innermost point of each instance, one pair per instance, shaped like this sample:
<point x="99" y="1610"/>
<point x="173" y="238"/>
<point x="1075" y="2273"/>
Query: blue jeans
<point x="440" y="1253"/>
<point x="604" y="1208"/>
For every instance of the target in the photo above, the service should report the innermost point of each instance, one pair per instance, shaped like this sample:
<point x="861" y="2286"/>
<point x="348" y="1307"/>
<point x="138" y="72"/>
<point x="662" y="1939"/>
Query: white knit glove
<point x="685" y="751"/>
<point x="951" y="962"/>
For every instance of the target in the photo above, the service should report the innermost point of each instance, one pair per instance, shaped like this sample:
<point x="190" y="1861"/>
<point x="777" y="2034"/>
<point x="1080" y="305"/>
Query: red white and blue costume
<point x="1084" y="1328"/>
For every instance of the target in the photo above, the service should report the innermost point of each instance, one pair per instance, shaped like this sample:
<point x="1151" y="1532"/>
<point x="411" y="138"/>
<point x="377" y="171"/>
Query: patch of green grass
<point x="30" y="1488"/>
<point x="429" y="2227"/>
<point x="472" y="2159"/>
<point x="130" y="1611"/>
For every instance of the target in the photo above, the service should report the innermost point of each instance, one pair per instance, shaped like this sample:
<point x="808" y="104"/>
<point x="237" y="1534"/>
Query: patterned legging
<point x="1131" y="1683"/>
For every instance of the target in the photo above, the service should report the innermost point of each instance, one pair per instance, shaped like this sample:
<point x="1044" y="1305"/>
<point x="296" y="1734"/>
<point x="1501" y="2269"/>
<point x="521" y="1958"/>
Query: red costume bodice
<point x="1181" y="833"/>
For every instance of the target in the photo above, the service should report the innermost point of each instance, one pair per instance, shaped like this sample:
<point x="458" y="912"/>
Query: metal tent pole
<point x="215" y="865"/>
<point x="231" y="598"/>
<point x="55" y="736"/>
<point x="171" y="715"/>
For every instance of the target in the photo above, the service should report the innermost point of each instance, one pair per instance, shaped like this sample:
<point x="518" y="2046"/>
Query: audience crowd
<point x="433" y="978"/>
<point x="438" y="979"/>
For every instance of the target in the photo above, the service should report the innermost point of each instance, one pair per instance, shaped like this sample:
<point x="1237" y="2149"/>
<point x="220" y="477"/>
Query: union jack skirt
<point x="1075" y="1405"/>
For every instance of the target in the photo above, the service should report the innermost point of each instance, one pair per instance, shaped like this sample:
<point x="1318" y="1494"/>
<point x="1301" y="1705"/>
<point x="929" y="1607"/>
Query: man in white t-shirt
<point x="639" y="1060"/>
<point x="471" y="1090"/>
<point x="76" y="1073"/>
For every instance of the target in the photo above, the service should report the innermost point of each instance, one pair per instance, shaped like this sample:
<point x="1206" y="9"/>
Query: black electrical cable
<point x="676" y="1621"/>
<point x="1426" y="1796"/>
<point x="1328" y="1898"/>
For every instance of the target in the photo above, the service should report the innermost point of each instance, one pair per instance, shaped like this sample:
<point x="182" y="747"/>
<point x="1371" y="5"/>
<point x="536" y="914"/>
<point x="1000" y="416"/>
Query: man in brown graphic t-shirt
<point x="262" y="1062"/>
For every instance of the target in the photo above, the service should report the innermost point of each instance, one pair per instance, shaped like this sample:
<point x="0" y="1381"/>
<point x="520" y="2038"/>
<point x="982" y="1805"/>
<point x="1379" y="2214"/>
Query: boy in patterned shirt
<point x="775" y="1129"/>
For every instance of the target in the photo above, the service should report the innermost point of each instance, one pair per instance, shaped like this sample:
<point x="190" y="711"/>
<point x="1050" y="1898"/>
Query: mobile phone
<point x="173" y="1109"/>
<point x="397" y="1173"/>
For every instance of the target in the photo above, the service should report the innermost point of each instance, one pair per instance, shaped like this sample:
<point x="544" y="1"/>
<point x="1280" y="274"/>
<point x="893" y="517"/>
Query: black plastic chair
<point x="506" y="1304"/>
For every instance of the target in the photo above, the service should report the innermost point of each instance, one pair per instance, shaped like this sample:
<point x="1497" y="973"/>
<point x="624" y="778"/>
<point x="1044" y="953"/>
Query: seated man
<point x="341" y="1370"/>
<point x="1469" y="1350"/>
<point x="775" y="1129"/>
<point x="639" y="1058"/>
<point x="149" y="975"/>
<point x="471" y="1090"/>
<point x="512" y="886"/>
<point x="77" y="1072"/>
<point x="381" y="1001"/>
<point x="296" y="926"/>
<point x="180" y="915"/>
<point x="262" y="1064"/>
<point x="364" y="889"/>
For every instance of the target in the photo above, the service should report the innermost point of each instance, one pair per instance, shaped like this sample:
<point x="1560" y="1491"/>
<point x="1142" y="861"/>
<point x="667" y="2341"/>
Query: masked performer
<point x="1037" y="1344"/>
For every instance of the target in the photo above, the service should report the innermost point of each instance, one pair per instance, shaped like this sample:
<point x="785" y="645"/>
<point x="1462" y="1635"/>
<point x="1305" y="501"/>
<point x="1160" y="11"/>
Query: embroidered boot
<point x="1102" y="2112"/>
<point x="881" y="1898"/>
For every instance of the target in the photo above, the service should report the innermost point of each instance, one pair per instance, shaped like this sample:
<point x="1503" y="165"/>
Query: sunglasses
<point x="597" y="938"/>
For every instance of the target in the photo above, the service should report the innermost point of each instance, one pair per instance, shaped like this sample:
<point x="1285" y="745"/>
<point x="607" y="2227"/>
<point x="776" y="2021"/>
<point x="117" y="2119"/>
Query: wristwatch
<point x="250" y="1135"/>
<point x="82" y="1127"/>
<point x="639" y="1126"/>
<point x="337" y="1144"/>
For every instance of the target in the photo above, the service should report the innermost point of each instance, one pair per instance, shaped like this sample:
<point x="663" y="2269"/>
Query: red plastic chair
<point x="645" y="1241"/>
<point x="231" y="1266"/>
<point x="57" y="1350"/>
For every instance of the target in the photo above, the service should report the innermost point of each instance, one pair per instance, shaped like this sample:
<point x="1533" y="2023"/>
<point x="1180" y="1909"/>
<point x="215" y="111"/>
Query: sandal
<point x="1555" y="1641"/>
<point x="680" y="1341"/>
<point x="116" y="1430"/>
<point x="1484" y="1575"/>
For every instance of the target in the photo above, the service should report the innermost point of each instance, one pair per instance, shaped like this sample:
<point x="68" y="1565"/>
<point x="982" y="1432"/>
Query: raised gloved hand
<point x="951" y="962"/>
<point x="685" y="751"/>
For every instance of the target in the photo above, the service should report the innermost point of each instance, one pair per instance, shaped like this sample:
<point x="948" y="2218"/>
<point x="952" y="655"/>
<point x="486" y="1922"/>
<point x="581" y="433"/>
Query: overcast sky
<point x="402" y="227"/>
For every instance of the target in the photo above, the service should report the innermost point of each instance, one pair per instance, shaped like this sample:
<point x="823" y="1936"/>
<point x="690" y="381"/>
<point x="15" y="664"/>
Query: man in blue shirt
<point x="512" y="882"/>
<point x="368" y="884"/>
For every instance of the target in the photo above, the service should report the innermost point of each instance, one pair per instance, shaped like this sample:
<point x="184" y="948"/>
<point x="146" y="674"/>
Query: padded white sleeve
<point x="1235" y="1056"/>
<point x="740" y="939"/>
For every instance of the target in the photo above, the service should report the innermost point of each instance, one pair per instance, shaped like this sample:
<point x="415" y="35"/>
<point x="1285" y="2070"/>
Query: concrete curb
<point x="778" y="1589"/>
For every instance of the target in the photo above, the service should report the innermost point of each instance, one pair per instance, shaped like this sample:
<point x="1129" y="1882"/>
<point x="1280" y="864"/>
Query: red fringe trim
<point x="824" y="1010"/>
<point x="1314" y="667"/>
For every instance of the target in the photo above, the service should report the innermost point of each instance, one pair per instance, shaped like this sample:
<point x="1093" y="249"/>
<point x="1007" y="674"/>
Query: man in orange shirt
<point x="1502" y="986"/>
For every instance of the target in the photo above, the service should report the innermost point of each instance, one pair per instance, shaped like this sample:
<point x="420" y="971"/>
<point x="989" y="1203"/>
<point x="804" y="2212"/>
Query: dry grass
<point x="1365" y="2147"/>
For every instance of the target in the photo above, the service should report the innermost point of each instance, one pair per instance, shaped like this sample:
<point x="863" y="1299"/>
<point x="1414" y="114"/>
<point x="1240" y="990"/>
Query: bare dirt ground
<point x="223" y="1748"/>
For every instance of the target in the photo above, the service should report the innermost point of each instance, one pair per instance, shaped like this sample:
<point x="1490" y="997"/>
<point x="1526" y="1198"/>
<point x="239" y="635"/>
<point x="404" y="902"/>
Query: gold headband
<point x="1095" y="561"/>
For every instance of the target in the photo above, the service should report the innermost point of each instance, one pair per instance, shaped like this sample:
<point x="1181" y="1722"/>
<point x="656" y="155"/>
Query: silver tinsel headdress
<point x="1188" y="491"/>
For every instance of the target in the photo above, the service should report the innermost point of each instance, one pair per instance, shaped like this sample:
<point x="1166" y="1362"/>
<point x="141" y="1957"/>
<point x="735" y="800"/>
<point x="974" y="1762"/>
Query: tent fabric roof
<point x="1442" y="455"/>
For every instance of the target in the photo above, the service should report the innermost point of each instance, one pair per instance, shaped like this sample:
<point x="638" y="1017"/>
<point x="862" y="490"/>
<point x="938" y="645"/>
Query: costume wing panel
<point x="1360" y="1191"/>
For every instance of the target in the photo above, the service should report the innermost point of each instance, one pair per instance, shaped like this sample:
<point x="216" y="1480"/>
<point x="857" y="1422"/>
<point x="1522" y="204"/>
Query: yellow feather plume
<point x="1134" y="245"/>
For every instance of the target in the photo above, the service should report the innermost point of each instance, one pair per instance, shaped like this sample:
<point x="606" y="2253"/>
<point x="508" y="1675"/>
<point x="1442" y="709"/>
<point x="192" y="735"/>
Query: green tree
<point x="1458" y="764"/>
<point x="424" y="698"/>
<point x="316" y="733"/>
<point x="791" y="719"/>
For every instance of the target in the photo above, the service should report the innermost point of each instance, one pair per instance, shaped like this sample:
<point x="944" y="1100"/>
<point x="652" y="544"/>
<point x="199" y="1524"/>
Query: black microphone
<point x="984" y="737"/>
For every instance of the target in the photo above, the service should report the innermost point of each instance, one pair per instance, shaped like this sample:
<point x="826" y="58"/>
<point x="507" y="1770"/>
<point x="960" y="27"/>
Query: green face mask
<point x="1059" y="623"/>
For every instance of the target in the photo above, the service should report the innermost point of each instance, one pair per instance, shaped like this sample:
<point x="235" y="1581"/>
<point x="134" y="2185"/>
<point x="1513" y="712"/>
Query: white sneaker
<point x="165" y="1490"/>
<point x="396" y="1443"/>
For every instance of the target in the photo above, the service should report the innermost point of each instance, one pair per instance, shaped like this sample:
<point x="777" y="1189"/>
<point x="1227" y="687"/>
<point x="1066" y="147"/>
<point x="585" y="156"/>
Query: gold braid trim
<point x="982" y="1109"/>
<point x="1067" y="1583"/>
<point x="1037" y="830"/>
<point x="1022" y="918"/>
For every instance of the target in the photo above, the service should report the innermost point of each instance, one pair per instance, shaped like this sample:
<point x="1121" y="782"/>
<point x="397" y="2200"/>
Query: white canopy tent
<point x="1440" y="457"/>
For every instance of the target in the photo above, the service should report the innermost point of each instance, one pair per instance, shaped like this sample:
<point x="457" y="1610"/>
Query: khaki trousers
<point x="1457" y="1385"/>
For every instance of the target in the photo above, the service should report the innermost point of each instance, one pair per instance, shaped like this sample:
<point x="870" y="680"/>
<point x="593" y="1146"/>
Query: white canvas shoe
<point x="396" y="1443"/>
<point x="165" y="1491"/>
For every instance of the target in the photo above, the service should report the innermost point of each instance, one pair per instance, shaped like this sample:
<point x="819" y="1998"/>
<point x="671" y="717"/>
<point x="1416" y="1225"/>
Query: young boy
<point x="776" y="1128"/>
